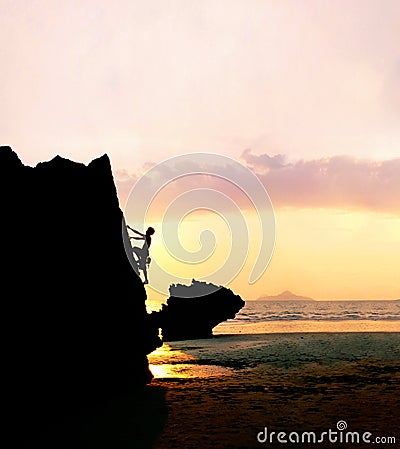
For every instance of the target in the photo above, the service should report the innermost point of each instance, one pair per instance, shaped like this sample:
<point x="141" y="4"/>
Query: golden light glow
<point x="322" y="253"/>
<point x="288" y="327"/>
<point x="175" y="370"/>
<point x="180" y="365"/>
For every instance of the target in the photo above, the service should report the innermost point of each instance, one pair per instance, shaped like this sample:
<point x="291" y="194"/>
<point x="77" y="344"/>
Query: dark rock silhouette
<point x="76" y="327"/>
<point x="193" y="311"/>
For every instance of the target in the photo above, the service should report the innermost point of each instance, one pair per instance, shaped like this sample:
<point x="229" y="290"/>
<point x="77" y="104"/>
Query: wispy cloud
<point x="341" y="182"/>
<point x="264" y="161"/>
<point x="335" y="182"/>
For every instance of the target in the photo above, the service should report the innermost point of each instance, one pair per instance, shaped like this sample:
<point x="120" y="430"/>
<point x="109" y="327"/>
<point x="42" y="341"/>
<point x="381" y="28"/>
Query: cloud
<point x="124" y="181"/>
<point x="178" y="177"/>
<point x="334" y="182"/>
<point x="264" y="160"/>
<point x="341" y="182"/>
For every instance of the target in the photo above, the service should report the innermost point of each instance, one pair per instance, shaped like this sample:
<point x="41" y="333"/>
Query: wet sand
<point x="221" y="392"/>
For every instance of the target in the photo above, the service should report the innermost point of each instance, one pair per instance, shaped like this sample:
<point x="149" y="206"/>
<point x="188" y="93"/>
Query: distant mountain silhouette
<point x="285" y="296"/>
<point x="74" y="317"/>
<point x="193" y="311"/>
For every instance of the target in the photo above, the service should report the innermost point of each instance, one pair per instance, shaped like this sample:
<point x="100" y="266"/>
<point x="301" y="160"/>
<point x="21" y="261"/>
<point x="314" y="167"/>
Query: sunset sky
<point x="306" y="94"/>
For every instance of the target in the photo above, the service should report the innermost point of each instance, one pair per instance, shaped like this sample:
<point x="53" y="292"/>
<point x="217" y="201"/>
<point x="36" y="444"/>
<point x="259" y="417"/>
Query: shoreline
<point x="228" y="354"/>
<point x="306" y="326"/>
<point x="287" y="382"/>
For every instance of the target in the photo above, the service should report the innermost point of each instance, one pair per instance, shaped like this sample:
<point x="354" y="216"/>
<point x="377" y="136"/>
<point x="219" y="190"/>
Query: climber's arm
<point x="136" y="232"/>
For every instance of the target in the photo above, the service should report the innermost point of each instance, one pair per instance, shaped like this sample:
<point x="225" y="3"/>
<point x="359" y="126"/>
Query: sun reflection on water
<point x="166" y="362"/>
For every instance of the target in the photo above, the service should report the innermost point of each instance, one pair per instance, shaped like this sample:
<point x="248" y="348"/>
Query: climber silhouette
<point x="142" y="254"/>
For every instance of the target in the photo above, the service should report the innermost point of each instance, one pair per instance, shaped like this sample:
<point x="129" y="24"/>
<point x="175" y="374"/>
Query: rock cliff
<point x="191" y="312"/>
<point x="74" y="309"/>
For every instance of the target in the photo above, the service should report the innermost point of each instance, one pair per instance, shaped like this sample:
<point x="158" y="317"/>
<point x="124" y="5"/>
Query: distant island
<point x="285" y="296"/>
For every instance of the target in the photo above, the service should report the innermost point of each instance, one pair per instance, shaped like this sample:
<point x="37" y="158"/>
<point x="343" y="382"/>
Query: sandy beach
<point x="232" y="390"/>
<point x="222" y="392"/>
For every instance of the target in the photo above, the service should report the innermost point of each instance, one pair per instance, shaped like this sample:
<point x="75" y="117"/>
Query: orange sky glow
<point x="304" y="94"/>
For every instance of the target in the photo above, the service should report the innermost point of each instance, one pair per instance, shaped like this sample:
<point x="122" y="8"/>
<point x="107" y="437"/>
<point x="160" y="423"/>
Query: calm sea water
<point x="310" y="316"/>
<point x="255" y="311"/>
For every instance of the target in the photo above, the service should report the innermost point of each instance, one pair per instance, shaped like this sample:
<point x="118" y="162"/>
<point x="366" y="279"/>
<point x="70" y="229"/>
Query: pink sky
<point x="341" y="182"/>
<point x="146" y="80"/>
<point x="306" y="93"/>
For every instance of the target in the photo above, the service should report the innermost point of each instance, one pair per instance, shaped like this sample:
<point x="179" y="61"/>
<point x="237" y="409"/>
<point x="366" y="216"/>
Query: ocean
<point x="310" y="316"/>
<point x="255" y="311"/>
